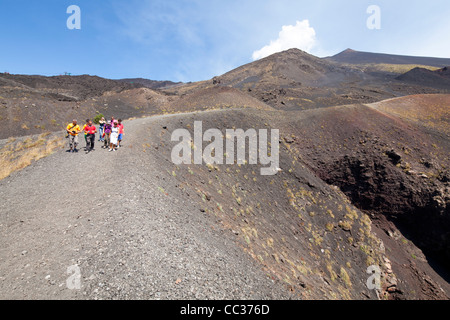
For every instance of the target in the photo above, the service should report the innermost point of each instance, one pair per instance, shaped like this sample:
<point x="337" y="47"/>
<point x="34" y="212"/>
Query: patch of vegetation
<point x="394" y="68"/>
<point x="345" y="277"/>
<point x="345" y="225"/>
<point x="330" y="213"/>
<point x="351" y="214"/>
<point x="97" y="118"/>
<point x="17" y="156"/>
<point x="333" y="274"/>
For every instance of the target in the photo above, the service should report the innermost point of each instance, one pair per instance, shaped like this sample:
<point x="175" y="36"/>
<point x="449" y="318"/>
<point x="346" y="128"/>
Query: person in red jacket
<point x="90" y="131"/>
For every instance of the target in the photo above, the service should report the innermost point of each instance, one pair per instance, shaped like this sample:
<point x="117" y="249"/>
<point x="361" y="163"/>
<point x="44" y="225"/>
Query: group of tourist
<point x="110" y="134"/>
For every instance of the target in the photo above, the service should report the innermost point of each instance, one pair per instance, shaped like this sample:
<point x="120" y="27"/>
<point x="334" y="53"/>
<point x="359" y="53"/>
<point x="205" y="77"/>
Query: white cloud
<point x="301" y="36"/>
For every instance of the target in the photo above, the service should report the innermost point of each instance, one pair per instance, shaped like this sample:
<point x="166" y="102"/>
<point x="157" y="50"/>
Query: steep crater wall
<point x="418" y="208"/>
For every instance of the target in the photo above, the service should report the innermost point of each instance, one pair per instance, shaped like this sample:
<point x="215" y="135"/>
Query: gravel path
<point x="102" y="214"/>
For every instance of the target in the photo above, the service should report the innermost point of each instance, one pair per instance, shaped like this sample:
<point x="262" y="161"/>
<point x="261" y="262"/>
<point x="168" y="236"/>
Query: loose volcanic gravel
<point x="100" y="218"/>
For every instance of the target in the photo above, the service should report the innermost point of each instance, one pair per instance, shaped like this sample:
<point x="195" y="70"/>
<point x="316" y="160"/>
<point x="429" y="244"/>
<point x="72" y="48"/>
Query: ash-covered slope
<point x="391" y="160"/>
<point x="151" y="84"/>
<point x="36" y="104"/>
<point x="357" y="57"/>
<point x="308" y="228"/>
<point x="295" y="80"/>
<point x="292" y="80"/>
<point x="427" y="78"/>
<point x="392" y="170"/>
<point x="291" y="67"/>
<point x="184" y="231"/>
<point x="77" y="87"/>
<point x="299" y="230"/>
<point x="215" y="97"/>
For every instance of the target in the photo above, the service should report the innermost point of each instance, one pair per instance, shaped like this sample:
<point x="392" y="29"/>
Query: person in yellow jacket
<point x="73" y="129"/>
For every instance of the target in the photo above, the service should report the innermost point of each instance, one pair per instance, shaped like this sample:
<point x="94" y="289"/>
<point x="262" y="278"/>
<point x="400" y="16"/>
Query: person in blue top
<point x="101" y="126"/>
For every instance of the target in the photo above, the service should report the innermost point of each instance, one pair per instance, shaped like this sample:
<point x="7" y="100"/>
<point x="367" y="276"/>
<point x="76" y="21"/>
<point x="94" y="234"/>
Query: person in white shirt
<point x="114" y="137"/>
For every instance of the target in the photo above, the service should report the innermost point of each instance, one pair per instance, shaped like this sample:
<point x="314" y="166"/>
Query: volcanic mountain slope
<point x="294" y="80"/>
<point x="138" y="237"/>
<point x="35" y="104"/>
<point x="357" y="57"/>
<point x="295" y="227"/>
<point x="76" y="88"/>
<point x="184" y="231"/>
<point x="429" y="111"/>
<point x="290" y="80"/>
<point x="291" y="235"/>
<point x="427" y="78"/>
<point x="391" y="160"/>
<point x="151" y="84"/>
<point x="298" y="229"/>
<point x="214" y="98"/>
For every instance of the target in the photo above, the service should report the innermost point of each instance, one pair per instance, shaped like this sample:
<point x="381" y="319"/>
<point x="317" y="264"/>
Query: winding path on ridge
<point x="103" y="212"/>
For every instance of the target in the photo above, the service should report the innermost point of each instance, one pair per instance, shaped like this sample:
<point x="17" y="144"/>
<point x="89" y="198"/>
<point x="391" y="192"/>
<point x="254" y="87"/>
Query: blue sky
<point x="182" y="40"/>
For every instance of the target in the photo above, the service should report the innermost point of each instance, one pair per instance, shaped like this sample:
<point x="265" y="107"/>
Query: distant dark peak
<point x="358" y="57"/>
<point x="346" y="52"/>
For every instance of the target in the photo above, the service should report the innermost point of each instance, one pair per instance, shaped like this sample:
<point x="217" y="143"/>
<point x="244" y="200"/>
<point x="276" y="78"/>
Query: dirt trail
<point x="104" y="212"/>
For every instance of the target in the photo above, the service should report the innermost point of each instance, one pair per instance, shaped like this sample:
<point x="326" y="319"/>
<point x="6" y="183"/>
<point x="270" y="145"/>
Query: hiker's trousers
<point x="73" y="141"/>
<point x="90" y="142"/>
